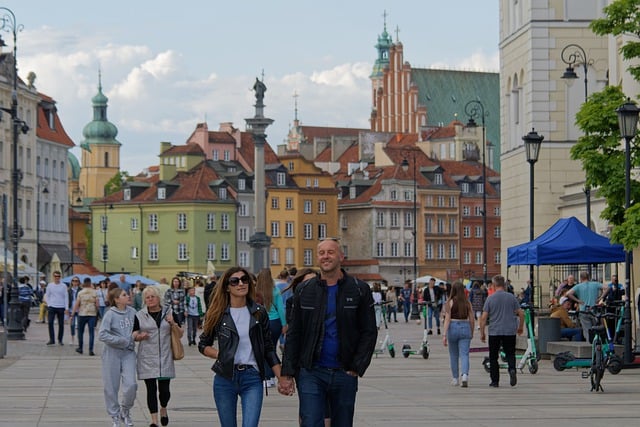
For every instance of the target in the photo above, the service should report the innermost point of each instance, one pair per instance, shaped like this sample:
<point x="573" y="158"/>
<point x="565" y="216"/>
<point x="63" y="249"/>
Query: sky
<point x="166" y="69"/>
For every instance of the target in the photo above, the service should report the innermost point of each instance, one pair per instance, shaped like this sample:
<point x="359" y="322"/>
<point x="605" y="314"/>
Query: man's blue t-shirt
<point x="329" y="353"/>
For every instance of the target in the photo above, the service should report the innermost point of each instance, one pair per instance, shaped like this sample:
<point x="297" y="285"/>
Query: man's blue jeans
<point x="82" y="322"/>
<point x="248" y="385"/>
<point x="332" y="386"/>
<point x="433" y="311"/>
<point x="575" y="334"/>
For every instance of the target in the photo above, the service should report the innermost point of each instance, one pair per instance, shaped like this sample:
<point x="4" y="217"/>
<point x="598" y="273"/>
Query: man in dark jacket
<point x="330" y="340"/>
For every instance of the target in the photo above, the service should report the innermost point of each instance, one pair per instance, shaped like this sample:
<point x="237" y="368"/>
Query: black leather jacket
<point x="357" y="330"/>
<point x="227" y="335"/>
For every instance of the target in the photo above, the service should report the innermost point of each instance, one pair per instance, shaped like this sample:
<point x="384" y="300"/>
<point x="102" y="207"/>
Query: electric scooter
<point x="387" y="343"/>
<point x="424" y="345"/>
<point x="530" y="357"/>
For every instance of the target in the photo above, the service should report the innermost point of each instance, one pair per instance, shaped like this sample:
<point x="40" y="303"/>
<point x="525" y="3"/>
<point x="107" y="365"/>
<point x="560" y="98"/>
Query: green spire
<point x="99" y="130"/>
<point x="384" y="44"/>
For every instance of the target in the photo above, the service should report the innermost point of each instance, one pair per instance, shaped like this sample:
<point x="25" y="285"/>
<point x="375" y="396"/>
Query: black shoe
<point x="60" y="343"/>
<point x="430" y="332"/>
<point x="513" y="377"/>
<point x="164" y="420"/>
<point x="494" y="385"/>
<point x="153" y="425"/>
<point x="79" y="350"/>
<point x="51" y="343"/>
<point x="438" y="331"/>
<point x="91" y="353"/>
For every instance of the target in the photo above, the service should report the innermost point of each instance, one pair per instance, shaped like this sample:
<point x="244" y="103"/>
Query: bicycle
<point x="603" y="356"/>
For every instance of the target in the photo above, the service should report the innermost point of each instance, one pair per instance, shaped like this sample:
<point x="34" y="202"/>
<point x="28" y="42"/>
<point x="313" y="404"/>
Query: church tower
<point x="100" y="149"/>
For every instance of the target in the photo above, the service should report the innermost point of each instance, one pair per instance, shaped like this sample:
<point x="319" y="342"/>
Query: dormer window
<point x="215" y="156"/>
<point x="162" y="193"/>
<point x="437" y="179"/>
<point x="465" y="187"/>
<point x="291" y="165"/>
<point x="241" y="184"/>
<point x="127" y="194"/>
<point x="479" y="188"/>
<point x="281" y="179"/>
<point x="222" y="193"/>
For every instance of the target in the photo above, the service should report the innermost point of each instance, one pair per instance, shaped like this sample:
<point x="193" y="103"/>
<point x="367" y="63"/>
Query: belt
<point x="242" y="367"/>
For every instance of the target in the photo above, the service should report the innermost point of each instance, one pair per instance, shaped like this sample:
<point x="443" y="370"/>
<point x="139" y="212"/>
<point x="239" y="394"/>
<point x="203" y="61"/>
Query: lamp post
<point x="475" y="109"/>
<point x="45" y="190"/>
<point x="628" y="122"/>
<point x="405" y="167"/>
<point x="575" y="55"/>
<point x="105" y="249"/>
<point x="8" y="23"/>
<point x="532" y="143"/>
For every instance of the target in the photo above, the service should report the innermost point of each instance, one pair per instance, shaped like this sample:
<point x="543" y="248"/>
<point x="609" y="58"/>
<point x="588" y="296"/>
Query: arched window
<point x="106" y="160"/>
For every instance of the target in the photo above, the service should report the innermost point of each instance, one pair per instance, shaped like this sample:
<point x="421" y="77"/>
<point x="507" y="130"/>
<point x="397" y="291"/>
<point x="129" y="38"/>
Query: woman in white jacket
<point x="152" y="328"/>
<point x="119" y="357"/>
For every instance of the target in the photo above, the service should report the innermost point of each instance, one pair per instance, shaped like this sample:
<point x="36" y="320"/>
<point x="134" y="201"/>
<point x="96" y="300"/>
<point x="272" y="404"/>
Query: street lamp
<point x="532" y="143"/>
<point x="475" y="109"/>
<point x="405" y="167"/>
<point x="574" y="55"/>
<point x="15" y="330"/>
<point x="105" y="248"/>
<point x="628" y="122"/>
<point x="45" y="190"/>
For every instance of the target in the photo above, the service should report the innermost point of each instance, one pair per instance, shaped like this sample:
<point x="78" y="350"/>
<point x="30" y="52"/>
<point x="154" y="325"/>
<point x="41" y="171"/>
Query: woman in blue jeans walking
<point x="458" y="332"/>
<point x="245" y="348"/>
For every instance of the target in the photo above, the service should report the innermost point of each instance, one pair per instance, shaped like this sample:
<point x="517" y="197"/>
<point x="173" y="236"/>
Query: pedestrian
<point x="87" y="308"/>
<point x="43" y="302"/>
<point x="119" y="357"/>
<point x="25" y="296"/>
<point x="103" y="298"/>
<point x="155" y="366"/>
<point x="57" y="298"/>
<point x="330" y="340"/>
<point x="138" y="300"/>
<point x="376" y="293"/>
<point x="73" y="294"/>
<point x="244" y="347"/>
<point x="194" y="314"/>
<point x="177" y="297"/>
<point x="458" y="332"/>
<point x="505" y="318"/>
<point x="586" y="294"/>
<point x="272" y="301"/>
<point x="392" y="304"/>
<point x="433" y="298"/>
<point x="405" y="299"/>
<point x="477" y="296"/>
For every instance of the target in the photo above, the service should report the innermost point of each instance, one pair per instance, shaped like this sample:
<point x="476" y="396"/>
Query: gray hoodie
<point x="117" y="328"/>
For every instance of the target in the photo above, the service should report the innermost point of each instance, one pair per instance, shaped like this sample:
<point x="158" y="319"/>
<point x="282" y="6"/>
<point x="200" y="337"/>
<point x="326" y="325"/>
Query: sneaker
<point x="513" y="377"/>
<point x="79" y="350"/>
<point x="61" y="343"/>
<point x="430" y="332"/>
<point x="91" y="353"/>
<point x="116" y="421"/>
<point x="126" y="418"/>
<point x="438" y="331"/>
<point x="51" y="343"/>
<point x="494" y="385"/>
<point x="465" y="380"/>
<point x="454" y="382"/>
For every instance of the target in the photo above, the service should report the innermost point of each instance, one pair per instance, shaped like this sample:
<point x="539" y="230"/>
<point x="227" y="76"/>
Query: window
<point x="153" y="252"/>
<point x="408" y="196"/>
<point x="182" y="221"/>
<point x="478" y="231"/>
<point x="408" y="220"/>
<point x="440" y="250"/>
<point x="162" y="193"/>
<point x="288" y="231"/>
<point x="343" y="222"/>
<point x="440" y="201"/>
<point x="134" y="252"/>
<point x="308" y="232"/>
<point x="452" y="201"/>
<point x="322" y="231"/>
<point x="380" y="219"/>
<point x="428" y="225"/>
<point x="289" y="203"/>
<point x="477" y="210"/>
<point x="288" y="256"/>
<point x="428" y="201"/>
<point x="281" y="179"/>
<point x="496" y="231"/>
<point x="243" y="259"/>
<point x="429" y="251"/>
<point x="440" y="225"/>
<point x="211" y="251"/>
<point x="134" y="223"/>
<point x="496" y="211"/>
<point x="224" y="252"/>
<point x="466" y="211"/>
<point x="466" y="231"/>
<point x="393" y="195"/>
<point x="479" y="187"/>
<point x="316" y="183"/>
<point x="222" y="193"/>
<point x="307" y="206"/>
<point x="466" y="258"/>
<point x="241" y="184"/>
<point x="227" y="155"/>
<point x="243" y="209"/>
<point x="407" y="249"/>
<point x="437" y="179"/>
<point x="308" y="182"/>
<point x="216" y="155"/>
<point x="291" y="165"/>
<point x="126" y="194"/>
<point x="103" y="223"/>
<point x="395" y="219"/>
<point x="183" y="254"/>
<point x="465" y="187"/>
<point x="497" y="257"/>
<point x="224" y="222"/>
<point x="243" y="234"/>
<point x="211" y="221"/>
<point x="478" y="257"/>
<point x="275" y="229"/>
<point x="380" y="249"/>
<point x="394" y="249"/>
<point x="307" y="258"/>
<point x="453" y="251"/>
<point x="275" y="256"/>
<point x="322" y="206"/>
<point x="452" y="226"/>
<point x="153" y="222"/>
<point x="275" y="203"/>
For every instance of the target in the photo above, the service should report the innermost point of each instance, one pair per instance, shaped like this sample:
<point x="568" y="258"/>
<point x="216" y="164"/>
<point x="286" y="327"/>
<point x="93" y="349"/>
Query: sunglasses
<point x="235" y="281"/>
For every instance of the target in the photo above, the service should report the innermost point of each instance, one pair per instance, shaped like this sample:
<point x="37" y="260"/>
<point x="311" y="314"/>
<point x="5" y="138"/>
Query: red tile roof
<point x="44" y="131"/>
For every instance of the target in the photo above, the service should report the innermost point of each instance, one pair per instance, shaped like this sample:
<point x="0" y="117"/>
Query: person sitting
<point x="568" y="328"/>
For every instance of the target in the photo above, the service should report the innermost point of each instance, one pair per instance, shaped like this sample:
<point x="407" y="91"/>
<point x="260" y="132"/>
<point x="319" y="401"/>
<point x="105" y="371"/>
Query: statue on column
<point x="260" y="88"/>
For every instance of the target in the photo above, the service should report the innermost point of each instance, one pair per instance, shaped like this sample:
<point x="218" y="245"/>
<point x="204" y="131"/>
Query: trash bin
<point x="548" y="330"/>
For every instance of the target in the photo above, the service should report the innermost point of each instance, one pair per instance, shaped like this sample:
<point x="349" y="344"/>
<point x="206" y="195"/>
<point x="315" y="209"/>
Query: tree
<point x="115" y="184"/>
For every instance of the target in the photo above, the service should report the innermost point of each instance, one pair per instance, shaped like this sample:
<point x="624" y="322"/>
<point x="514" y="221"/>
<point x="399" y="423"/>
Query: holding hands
<point x="286" y="385"/>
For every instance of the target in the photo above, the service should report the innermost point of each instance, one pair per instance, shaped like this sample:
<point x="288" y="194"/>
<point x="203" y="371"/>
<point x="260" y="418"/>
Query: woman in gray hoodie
<point x="119" y="357"/>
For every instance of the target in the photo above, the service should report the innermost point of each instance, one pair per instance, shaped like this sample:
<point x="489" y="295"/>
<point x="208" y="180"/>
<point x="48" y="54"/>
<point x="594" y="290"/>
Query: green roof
<point x="446" y="92"/>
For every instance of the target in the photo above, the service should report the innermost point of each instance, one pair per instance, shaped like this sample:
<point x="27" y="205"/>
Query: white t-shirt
<point x="244" y="354"/>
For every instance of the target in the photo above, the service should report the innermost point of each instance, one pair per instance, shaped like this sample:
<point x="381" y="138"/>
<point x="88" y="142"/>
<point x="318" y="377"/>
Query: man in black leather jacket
<point x="330" y="340"/>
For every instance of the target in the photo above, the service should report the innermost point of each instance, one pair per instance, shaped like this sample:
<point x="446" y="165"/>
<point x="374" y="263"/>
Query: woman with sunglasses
<point x="241" y="327"/>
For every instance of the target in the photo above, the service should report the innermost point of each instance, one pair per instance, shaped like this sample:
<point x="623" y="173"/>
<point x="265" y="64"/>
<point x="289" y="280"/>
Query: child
<point x="194" y="314"/>
<point x="119" y="357"/>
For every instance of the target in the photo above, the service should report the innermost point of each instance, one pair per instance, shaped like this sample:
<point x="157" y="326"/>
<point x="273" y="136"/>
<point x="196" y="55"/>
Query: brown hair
<point x="460" y="306"/>
<point x="264" y="287"/>
<point x="300" y="278"/>
<point x="219" y="301"/>
<point x="114" y="294"/>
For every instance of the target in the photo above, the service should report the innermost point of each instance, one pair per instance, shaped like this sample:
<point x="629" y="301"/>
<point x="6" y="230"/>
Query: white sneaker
<point x="116" y="421"/>
<point x="126" y="418"/>
<point x="454" y="382"/>
<point x="465" y="380"/>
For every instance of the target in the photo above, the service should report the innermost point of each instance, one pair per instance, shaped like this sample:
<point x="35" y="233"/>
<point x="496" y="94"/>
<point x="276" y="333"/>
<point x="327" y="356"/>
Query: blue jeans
<point x="407" y="309"/>
<point x="248" y="385"/>
<point x="433" y="311"/>
<point x="459" y="340"/>
<point x="275" y="326"/>
<point x="575" y="334"/>
<point x="52" y="314"/>
<point x="82" y="321"/>
<point x="333" y="386"/>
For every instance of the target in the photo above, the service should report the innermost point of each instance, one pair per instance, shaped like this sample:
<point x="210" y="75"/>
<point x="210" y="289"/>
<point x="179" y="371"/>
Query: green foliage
<point x="115" y="184"/>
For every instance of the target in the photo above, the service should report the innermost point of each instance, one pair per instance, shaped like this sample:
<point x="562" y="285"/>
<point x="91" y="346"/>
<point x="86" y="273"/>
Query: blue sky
<point x="165" y="69"/>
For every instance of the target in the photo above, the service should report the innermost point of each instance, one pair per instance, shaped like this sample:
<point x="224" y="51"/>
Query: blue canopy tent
<point x="568" y="241"/>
